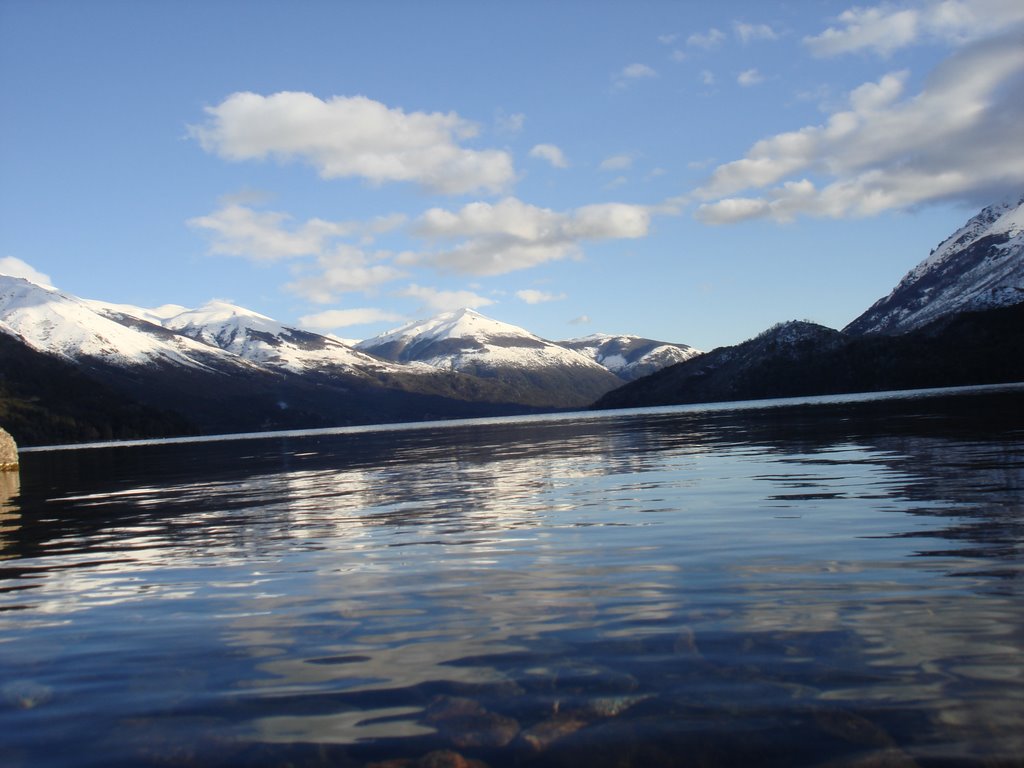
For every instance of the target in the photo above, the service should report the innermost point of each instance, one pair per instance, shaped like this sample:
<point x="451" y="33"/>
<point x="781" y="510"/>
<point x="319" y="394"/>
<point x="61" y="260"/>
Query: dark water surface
<point x="816" y="584"/>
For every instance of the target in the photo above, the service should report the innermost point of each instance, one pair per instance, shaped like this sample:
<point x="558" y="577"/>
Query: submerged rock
<point x="613" y="706"/>
<point x="466" y="723"/>
<point x="542" y="735"/>
<point x="8" y="452"/>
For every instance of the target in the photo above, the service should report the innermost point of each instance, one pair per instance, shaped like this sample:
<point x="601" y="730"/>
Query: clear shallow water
<point x="815" y="584"/>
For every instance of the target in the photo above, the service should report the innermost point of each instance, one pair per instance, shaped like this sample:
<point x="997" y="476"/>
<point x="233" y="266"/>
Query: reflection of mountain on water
<point x="669" y="577"/>
<point x="500" y="475"/>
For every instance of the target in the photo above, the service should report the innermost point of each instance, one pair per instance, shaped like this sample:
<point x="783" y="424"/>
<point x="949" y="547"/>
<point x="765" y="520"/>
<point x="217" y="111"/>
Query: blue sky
<point x="691" y="172"/>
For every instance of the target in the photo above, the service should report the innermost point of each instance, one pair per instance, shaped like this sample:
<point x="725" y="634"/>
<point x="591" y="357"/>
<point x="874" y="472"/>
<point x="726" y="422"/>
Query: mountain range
<point x="74" y="369"/>
<point x="954" y="319"/>
<point x="224" y="368"/>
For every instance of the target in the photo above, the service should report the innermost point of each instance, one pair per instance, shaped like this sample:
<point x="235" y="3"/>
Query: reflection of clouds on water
<point x="342" y="582"/>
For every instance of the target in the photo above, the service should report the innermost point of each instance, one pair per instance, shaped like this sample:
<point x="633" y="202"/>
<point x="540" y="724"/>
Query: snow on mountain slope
<point x="54" y="322"/>
<point x="630" y="357"/>
<point x="265" y="341"/>
<point x="538" y="372"/>
<point x="980" y="266"/>
<point x="466" y="339"/>
<point x="156" y="315"/>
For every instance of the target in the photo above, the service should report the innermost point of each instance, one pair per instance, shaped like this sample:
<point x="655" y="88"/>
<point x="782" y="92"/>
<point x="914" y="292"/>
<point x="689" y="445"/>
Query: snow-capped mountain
<point x="466" y="341"/>
<point x="630" y="357"/>
<point x="58" y="323"/>
<point x="223" y="368"/>
<point x="262" y="340"/>
<point x="465" y="338"/>
<point x="980" y="266"/>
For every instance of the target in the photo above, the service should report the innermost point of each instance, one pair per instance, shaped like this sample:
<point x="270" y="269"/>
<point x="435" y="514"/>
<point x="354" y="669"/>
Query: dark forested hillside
<point x="44" y="400"/>
<point x="970" y="348"/>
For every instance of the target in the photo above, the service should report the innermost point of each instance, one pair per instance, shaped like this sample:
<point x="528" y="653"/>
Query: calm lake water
<point x="818" y="583"/>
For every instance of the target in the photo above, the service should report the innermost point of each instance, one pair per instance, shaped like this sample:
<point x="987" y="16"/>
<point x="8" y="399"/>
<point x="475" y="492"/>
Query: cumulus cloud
<point x="749" y="32"/>
<point x="336" y="268"/>
<point x="581" y="320"/>
<point x="511" y="235"/>
<point x="551" y="153"/>
<point x="638" y="71"/>
<point x="509" y="123"/>
<point x="15" y="267"/>
<point x="880" y="29"/>
<point x="616" y="163"/>
<point x="749" y="77"/>
<point x="707" y="40"/>
<point x="343" y="318"/>
<point x="532" y="296"/>
<point x="354" y="137"/>
<point x="435" y="300"/>
<point x="956" y="140"/>
<point x="886" y="28"/>
<point x="238" y="230"/>
<point x="344" y="269"/>
<point x="707" y="77"/>
<point x="631" y="73"/>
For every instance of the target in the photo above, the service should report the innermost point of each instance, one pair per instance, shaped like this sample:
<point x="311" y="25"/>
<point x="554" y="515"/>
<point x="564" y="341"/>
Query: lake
<point x="833" y="581"/>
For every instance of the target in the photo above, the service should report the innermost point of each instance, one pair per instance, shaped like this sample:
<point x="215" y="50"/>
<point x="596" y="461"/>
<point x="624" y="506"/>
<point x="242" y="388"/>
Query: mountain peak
<point x="464" y="323"/>
<point x="979" y="266"/>
<point x="468" y="342"/>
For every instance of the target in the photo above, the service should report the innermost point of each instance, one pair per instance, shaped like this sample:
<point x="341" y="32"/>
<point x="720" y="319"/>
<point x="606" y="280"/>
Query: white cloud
<point x="343" y="318"/>
<point x="511" y="235"/>
<point x="379" y="225"/>
<point x="707" y="77"/>
<point x="581" y="320"/>
<point x="354" y="137"/>
<point x="616" y="163"/>
<point x="749" y="32"/>
<point x="956" y="140"/>
<point x="551" y="153"/>
<point x="732" y="210"/>
<point x="345" y="269"/>
<point x="506" y="123"/>
<point x="638" y="71"/>
<point x="531" y="296"/>
<point x="879" y="29"/>
<point x="886" y="28"/>
<point x="667" y="39"/>
<point x="435" y="300"/>
<point x="678" y="55"/>
<point x="15" y="267"/>
<point x="268" y="236"/>
<point x="710" y="39"/>
<point x="749" y="77"/>
<point x="237" y="230"/>
<point x="631" y="73"/>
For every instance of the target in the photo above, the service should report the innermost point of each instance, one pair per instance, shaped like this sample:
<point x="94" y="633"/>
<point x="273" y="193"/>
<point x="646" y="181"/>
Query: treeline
<point x="46" y="401"/>
<point x="970" y="348"/>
